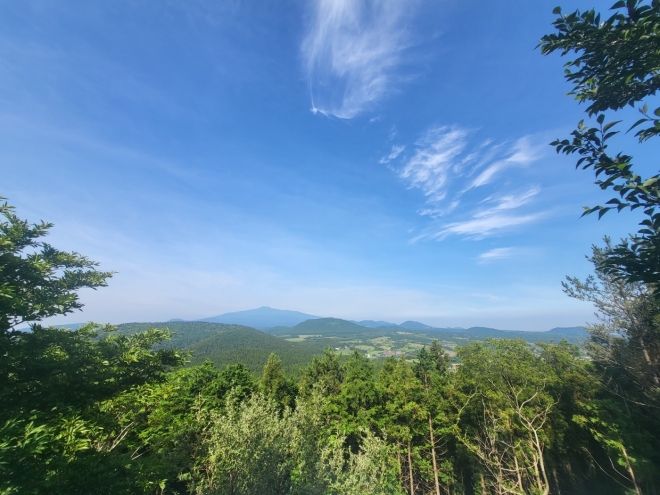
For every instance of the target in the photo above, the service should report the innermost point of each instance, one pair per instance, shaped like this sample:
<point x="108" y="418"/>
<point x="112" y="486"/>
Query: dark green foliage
<point x="520" y="418"/>
<point x="184" y="333"/>
<point x="618" y="64"/>
<point x="162" y="423"/>
<point x="431" y="362"/>
<point x="619" y="56"/>
<point x="253" y="347"/>
<point x="404" y="416"/>
<point x="357" y="405"/>
<point x="626" y="341"/>
<point x="625" y="348"/>
<point x="52" y="381"/>
<point x="54" y="369"/>
<point x="274" y="384"/>
<point x="324" y="375"/>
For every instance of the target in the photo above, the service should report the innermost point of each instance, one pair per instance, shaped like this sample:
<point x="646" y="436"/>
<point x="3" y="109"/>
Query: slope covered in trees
<point x="228" y="344"/>
<point x="325" y="327"/>
<point x="251" y="347"/>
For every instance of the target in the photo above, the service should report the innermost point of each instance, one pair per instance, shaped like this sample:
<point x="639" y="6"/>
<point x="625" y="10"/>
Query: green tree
<point x="246" y="449"/>
<point x="252" y="447"/>
<point x="618" y="64"/>
<point x="159" y="426"/>
<point x="404" y="417"/>
<point x="54" y="368"/>
<point x="357" y="406"/>
<point x="37" y="280"/>
<point x="372" y="470"/>
<point x="323" y="373"/>
<point x="626" y="340"/>
<point x="431" y="369"/>
<point x="47" y="367"/>
<point x="51" y="379"/>
<point x="275" y="385"/>
<point x="507" y="426"/>
<point x="624" y="344"/>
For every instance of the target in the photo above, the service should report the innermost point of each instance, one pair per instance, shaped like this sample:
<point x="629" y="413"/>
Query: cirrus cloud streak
<point x="468" y="182"/>
<point x="351" y="52"/>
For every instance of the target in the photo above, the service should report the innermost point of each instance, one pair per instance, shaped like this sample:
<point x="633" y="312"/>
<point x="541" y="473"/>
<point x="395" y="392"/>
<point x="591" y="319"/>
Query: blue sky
<point x="356" y="159"/>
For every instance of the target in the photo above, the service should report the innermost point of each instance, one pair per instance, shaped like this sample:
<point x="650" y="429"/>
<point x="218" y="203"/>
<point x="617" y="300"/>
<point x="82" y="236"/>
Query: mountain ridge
<point x="271" y="319"/>
<point x="260" y="318"/>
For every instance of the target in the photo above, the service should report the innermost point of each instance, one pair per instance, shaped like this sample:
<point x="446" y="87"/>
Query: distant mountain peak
<point x="414" y="325"/>
<point x="262" y="317"/>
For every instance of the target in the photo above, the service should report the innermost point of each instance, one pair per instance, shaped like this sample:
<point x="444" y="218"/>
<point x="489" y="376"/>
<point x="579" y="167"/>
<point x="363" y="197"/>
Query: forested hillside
<point x="325" y="327"/>
<point x="251" y="347"/>
<point x="228" y="344"/>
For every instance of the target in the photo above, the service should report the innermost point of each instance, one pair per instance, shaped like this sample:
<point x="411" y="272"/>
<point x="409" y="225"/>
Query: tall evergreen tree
<point x="275" y="385"/>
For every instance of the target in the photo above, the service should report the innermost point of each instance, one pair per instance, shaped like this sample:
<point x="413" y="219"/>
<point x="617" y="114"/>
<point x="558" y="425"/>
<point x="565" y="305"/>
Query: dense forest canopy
<point x="102" y="410"/>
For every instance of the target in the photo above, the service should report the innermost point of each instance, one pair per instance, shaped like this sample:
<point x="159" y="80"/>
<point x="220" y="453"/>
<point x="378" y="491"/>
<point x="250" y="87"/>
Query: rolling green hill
<point x="335" y="327"/>
<point x="252" y="347"/>
<point x="227" y="344"/>
<point x="186" y="333"/>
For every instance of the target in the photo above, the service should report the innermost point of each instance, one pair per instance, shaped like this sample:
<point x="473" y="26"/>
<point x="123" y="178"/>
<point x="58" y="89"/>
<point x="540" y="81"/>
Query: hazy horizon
<point x="70" y="320"/>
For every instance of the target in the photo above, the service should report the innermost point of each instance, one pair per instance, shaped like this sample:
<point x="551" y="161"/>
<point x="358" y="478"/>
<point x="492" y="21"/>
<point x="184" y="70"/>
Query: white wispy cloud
<point x="396" y="151"/>
<point x="480" y="227"/>
<point x="522" y="153"/>
<point x="497" y="217"/>
<point x="436" y="155"/>
<point x="508" y="202"/>
<point x="351" y="51"/>
<point x="438" y="210"/>
<point x="497" y="254"/>
<point x="451" y="171"/>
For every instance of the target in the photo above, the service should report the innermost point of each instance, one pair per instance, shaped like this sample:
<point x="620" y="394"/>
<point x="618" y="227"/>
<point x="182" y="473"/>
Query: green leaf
<point x="609" y="125"/>
<point x="640" y="121"/>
